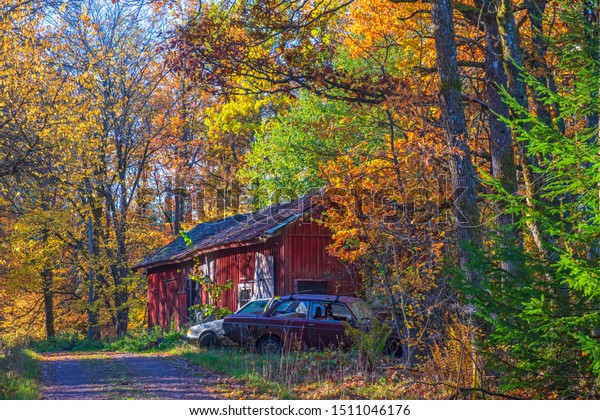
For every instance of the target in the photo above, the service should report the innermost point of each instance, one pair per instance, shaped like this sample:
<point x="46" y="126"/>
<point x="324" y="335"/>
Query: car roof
<point x="326" y="298"/>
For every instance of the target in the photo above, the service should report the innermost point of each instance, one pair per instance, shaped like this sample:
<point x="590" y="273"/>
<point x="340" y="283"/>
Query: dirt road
<point x="107" y="376"/>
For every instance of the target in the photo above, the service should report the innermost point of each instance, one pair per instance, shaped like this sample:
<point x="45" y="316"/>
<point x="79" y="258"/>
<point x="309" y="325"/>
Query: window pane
<point x="317" y="311"/>
<point x="292" y="309"/>
<point x="325" y="311"/>
<point x="244" y="295"/>
<point x="341" y="312"/>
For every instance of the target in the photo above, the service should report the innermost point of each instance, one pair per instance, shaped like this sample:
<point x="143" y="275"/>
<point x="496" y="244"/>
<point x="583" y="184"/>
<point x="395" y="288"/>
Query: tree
<point x="35" y="98"/>
<point x="464" y="178"/>
<point x="113" y="54"/>
<point x="541" y="327"/>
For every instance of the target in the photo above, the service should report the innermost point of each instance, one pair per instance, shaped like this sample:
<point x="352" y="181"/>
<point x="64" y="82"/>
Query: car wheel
<point x="209" y="340"/>
<point x="393" y="348"/>
<point x="269" y="345"/>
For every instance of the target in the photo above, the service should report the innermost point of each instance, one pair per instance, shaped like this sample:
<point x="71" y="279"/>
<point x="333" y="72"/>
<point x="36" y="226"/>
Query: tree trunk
<point x="99" y="242"/>
<point x="463" y="175"/>
<point x="539" y="64"/>
<point x="592" y="43"/>
<point x="511" y="51"/>
<point x="501" y="143"/>
<point x="513" y="63"/>
<point x="47" y="286"/>
<point x="120" y="273"/>
<point x="93" y="332"/>
<point x="179" y="211"/>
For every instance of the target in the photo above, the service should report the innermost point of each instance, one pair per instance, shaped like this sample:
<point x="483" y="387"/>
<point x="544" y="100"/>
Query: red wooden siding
<point x="164" y="285"/>
<point x="237" y="265"/>
<point x="306" y="244"/>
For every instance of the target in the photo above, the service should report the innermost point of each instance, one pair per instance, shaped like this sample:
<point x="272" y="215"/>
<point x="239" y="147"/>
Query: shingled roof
<point x="241" y="229"/>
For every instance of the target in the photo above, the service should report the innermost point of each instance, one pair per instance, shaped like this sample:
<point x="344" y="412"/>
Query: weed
<point x="370" y="345"/>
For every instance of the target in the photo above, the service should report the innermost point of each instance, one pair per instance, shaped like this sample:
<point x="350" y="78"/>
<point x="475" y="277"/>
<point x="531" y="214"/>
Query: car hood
<point x="216" y="326"/>
<point x="235" y="317"/>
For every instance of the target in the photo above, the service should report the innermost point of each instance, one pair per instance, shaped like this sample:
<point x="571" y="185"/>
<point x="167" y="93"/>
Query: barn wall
<point x="237" y="265"/>
<point x="169" y="295"/>
<point x="165" y="284"/>
<point x="306" y="245"/>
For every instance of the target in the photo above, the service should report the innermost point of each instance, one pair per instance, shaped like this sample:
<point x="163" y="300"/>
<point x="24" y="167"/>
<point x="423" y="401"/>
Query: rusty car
<point x="303" y="321"/>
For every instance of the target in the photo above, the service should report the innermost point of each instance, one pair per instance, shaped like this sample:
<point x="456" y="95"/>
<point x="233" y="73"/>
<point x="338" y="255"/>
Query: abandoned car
<point x="210" y="333"/>
<point x="303" y="321"/>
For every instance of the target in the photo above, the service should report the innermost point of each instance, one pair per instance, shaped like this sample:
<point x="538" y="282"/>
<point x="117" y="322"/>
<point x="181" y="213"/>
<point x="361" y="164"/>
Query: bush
<point x="144" y="340"/>
<point x="370" y="345"/>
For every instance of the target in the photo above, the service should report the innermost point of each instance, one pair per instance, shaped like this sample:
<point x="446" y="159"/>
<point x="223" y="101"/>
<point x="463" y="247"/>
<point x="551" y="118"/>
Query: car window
<point x="291" y="309"/>
<point x="317" y="311"/>
<point x="341" y="312"/>
<point x="255" y="306"/>
<point x="361" y="310"/>
<point x="326" y="311"/>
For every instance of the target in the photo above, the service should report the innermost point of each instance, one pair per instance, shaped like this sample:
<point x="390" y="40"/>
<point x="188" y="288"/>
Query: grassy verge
<point x="149" y="341"/>
<point x="19" y="372"/>
<point x="301" y="375"/>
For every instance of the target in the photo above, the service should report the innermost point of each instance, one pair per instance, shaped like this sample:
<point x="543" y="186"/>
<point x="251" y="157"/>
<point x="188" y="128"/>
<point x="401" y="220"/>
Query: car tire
<point x="269" y="345"/>
<point x="209" y="341"/>
<point x="393" y="348"/>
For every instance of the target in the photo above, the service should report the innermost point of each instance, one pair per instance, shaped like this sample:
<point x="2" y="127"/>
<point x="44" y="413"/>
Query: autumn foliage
<point x="456" y="145"/>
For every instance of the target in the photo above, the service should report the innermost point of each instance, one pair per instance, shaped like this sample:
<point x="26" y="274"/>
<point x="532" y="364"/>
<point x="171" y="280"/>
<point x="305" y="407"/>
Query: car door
<point x="325" y="327"/>
<point x="288" y="322"/>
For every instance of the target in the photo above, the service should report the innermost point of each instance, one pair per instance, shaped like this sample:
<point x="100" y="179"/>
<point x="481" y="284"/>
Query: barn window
<point x="244" y="294"/>
<point x="317" y="287"/>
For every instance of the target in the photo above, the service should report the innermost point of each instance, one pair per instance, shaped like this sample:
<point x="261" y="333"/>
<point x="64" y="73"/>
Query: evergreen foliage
<point x="540" y="328"/>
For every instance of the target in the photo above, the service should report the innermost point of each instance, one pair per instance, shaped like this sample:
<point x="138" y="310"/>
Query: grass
<point x="19" y="371"/>
<point x="299" y="375"/>
<point x="154" y="340"/>
<point x="332" y="374"/>
<point x="148" y="341"/>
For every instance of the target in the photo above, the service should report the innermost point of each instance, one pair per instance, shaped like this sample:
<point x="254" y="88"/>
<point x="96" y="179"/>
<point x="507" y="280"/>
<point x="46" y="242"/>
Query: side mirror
<point x="199" y="317"/>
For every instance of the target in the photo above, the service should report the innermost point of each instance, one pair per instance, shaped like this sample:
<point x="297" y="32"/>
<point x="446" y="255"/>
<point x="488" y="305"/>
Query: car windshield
<point x="361" y="310"/>
<point x="256" y="306"/>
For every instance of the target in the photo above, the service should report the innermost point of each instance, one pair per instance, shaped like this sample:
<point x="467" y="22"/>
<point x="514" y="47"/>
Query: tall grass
<point x="328" y="374"/>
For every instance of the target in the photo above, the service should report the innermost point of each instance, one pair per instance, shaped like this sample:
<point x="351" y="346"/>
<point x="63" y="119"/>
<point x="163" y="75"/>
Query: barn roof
<point x="238" y="230"/>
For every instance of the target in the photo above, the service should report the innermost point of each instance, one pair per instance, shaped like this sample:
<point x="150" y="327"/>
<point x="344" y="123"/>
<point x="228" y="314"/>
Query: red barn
<point x="274" y="251"/>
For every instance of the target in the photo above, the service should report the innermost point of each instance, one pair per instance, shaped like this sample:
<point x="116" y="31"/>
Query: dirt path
<point x="108" y="376"/>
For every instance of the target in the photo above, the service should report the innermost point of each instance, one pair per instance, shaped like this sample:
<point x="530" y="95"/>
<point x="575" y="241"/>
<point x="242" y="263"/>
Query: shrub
<point x="144" y="340"/>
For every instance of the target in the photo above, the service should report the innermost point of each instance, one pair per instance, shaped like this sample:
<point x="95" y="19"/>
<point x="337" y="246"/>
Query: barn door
<point x="264" y="277"/>
<point x="208" y="270"/>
